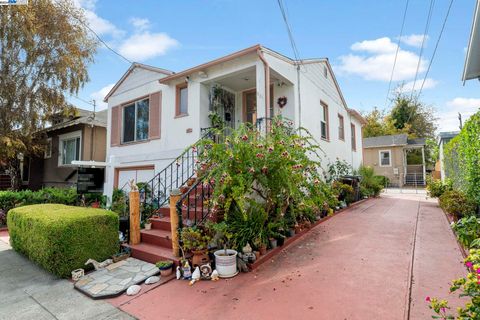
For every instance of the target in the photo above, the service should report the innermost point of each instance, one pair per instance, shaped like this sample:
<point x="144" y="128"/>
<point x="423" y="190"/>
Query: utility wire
<point x="436" y="47"/>
<point x="96" y="35"/>
<point x="396" y="52"/>
<point x="83" y="100"/>
<point x="427" y="26"/>
<point x="289" y="31"/>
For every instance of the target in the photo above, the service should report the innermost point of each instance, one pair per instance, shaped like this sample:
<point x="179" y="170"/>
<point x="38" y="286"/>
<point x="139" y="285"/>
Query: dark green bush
<point x="62" y="238"/>
<point x="370" y="184"/>
<point x="467" y="230"/>
<point x="435" y="187"/>
<point x="457" y="204"/>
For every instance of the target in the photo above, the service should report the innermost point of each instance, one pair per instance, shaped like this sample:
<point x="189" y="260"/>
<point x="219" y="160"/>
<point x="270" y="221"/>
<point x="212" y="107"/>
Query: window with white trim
<point x="324" y="121"/>
<point x="69" y="147"/>
<point x="135" y="121"/>
<point x="48" y="149"/>
<point x="385" y="158"/>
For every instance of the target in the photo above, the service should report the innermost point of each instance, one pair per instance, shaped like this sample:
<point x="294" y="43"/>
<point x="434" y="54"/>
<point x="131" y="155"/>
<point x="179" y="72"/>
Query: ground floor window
<point x="385" y="158"/>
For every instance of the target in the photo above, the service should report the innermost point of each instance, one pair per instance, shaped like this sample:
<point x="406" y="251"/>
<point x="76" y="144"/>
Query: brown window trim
<point x="327" y="121"/>
<point x="121" y="110"/>
<point x="354" y="137"/>
<point x="177" y="100"/>
<point x="343" y="127"/>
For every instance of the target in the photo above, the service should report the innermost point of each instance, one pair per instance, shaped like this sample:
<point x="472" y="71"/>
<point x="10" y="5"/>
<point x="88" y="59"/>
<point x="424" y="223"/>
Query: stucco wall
<point x="372" y="159"/>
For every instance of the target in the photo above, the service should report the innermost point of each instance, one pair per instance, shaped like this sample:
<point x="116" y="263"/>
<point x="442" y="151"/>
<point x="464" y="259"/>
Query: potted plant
<point x="225" y="259"/>
<point x="195" y="240"/>
<point x="260" y="244"/>
<point x="165" y="267"/>
<point x="148" y="224"/>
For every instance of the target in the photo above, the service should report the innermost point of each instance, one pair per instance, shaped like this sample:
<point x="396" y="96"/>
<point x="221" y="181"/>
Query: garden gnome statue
<point x="187" y="271"/>
<point x="248" y="255"/>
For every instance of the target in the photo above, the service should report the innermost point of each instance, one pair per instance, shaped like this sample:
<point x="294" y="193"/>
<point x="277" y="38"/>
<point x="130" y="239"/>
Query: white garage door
<point x="138" y="175"/>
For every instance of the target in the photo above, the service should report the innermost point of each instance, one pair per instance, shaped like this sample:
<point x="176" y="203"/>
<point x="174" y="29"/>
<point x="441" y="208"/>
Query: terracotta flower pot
<point x="263" y="249"/>
<point x="200" y="257"/>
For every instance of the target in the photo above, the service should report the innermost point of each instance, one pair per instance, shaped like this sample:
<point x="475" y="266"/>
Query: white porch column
<point x="260" y="86"/>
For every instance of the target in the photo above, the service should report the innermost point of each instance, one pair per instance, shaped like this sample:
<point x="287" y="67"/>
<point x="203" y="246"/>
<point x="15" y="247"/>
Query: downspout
<point x="267" y="86"/>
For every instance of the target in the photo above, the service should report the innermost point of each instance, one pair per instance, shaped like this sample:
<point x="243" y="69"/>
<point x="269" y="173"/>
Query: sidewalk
<point x="28" y="292"/>
<point x="357" y="265"/>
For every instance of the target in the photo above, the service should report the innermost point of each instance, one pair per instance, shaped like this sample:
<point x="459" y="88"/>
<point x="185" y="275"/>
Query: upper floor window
<point x="325" y="72"/>
<point x="324" y="121"/>
<point x="341" y="128"/>
<point x="69" y="147"/>
<point x="135" y="121"/>
<point x="385" y="158"/>
<point x="181" y="106"/>
<point x="48" y="149"/>
<point x="354" y="137"/>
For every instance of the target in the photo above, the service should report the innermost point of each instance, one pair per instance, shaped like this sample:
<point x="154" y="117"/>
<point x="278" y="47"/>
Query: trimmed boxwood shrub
<point x="62" y="238"/>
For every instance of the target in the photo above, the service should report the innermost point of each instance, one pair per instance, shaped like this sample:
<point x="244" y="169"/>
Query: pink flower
<point x="443" y="309"/>
<point x="427" y="299"/>
<point x="194" y="148"/>
<point x="270" y="149"/>
<point x="260" y="146"/>
<point x="264" y="170"/>
<point x="251" y="170"/>
<point x="244" y="137"/>
<point x="478" y="270"/>
<point x="260" y="155"/>
<point x="469" y="264"/>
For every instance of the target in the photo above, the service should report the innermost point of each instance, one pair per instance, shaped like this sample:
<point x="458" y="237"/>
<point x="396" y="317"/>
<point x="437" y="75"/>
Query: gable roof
<point x="130" y="70"/>
<point x="83" y="117"/>
<point x="472" y="62"/>
<point x="385" y="141"/>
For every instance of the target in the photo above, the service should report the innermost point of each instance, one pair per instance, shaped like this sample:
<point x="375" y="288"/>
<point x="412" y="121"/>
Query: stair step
<point x="157" y="237"/>
<point x="152" y="253"/>
<point x="161" y="223"/>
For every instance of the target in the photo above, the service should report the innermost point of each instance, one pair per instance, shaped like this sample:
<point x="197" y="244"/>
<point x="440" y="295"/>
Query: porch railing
<point x="155" y="193"/>
<point x="195" y="206"/>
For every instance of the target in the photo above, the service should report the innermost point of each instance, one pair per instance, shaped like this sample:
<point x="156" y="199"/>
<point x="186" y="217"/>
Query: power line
<point x="396" y="52"/>
<point x="289" y="31"/>
<point x="96" y="35"/>
<point x="83" y="100"/>
<point x="427" y="26"/>
<point x="436" y="47"/>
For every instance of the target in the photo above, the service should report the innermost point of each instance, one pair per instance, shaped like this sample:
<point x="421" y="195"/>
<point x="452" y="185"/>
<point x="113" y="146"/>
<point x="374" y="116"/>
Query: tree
<point x="411" y="116"/>
<point x="375" y="125"/>
<point x="45" y="50"/>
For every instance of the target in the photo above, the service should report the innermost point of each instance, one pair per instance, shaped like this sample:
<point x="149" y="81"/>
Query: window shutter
<point x="115" y="126"/>
<point x="155" y="115"/>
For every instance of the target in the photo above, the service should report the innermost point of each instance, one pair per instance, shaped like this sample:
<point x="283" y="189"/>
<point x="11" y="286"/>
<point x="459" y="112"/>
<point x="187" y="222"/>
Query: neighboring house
<point x="79" y="137"/>
<point x="472" y="60"/>
<point x="400" y="159"/>
<point x="154" y="114"/>
<point x="443" y="139"/>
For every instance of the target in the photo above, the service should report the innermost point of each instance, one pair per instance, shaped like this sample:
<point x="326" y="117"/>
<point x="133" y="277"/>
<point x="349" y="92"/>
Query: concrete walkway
<point x="378" y="260"/>
<point x="28" y="292"/>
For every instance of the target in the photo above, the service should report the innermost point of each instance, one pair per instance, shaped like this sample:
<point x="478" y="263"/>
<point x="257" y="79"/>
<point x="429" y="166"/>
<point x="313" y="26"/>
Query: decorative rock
<point x="152" y="280"/>
<point x="133" y="290"/>
<point x="77" y="274"/>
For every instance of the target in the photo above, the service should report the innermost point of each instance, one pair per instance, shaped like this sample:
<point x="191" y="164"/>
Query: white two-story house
<point x="154" y="114"/>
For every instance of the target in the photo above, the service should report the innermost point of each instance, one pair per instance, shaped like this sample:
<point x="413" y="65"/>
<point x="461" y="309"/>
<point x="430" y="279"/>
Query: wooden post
<point x="174" y="198"/>
<point x="134" y="197"/>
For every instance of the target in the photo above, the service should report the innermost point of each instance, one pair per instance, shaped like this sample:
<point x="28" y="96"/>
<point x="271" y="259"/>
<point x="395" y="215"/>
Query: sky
<point x="359" y="37"/>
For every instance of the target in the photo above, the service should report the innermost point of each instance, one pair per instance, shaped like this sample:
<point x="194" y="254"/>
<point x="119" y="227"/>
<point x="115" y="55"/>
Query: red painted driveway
<point x="378" y="260"/>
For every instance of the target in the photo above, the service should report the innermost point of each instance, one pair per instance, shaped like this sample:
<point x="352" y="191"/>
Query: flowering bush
<point x="278" y="170"/>
<point x="467" y="230"/>
<point x="435" y="187"/>
<point x="468" y="287"/>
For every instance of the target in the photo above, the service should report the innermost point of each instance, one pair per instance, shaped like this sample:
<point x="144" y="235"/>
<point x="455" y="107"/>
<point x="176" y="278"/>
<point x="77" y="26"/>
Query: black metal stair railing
<point x="155" y="193"/>
<point x="195" y="205"/>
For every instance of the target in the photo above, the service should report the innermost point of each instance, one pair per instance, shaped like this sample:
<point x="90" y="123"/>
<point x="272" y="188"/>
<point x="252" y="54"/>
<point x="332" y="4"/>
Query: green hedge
<point x="62" y="238"/>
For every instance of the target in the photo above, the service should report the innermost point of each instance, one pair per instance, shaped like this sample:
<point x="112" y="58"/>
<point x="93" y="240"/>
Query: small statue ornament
<point x="214" y="276"/>
<point x="99" y="265"/>
<point x="195" y="276"/>
<point x="186" y="270"/>
<point x="206" y="271"/>
<point x="248" y="255"/>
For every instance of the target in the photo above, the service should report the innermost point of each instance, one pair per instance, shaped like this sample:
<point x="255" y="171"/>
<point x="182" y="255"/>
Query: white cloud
<point x="377" y="61"/>
<point x="414" y="40"/>
<point x="429" y="84"/>
<point x="448" y="117"/>
<point x="381" y="45"/>
<point x="141" y="24"/>
<point x="99" y="95"/>
<point x="102" y="26"/>
<point x="143" y="46"/>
